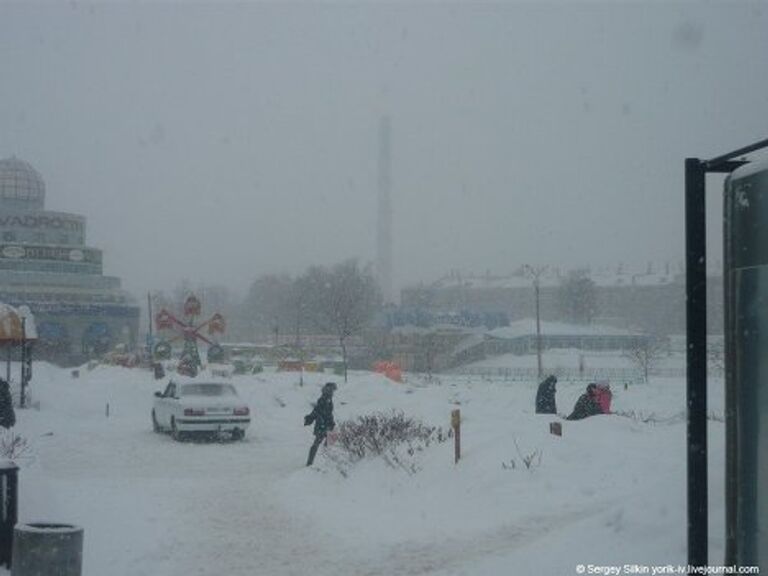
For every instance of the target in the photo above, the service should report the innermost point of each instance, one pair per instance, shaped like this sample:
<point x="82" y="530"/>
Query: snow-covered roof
<point x="489" y="282"/>
<point x="603" y="277"/>
<point x="410" y="329"/>
<point x="30" y="328"/>
<point x="11" y="325"/>
<point x="527" y="327"/>
<point x="649" y="279"/>
<point x="469" y="342"/>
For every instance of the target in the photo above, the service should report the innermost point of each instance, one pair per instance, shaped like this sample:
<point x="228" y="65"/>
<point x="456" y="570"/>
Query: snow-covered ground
<point x="611" y="490"/>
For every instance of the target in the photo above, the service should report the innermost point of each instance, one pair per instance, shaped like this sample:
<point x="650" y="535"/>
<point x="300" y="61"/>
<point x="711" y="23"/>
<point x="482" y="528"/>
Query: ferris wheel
<point x="190" y="330"/>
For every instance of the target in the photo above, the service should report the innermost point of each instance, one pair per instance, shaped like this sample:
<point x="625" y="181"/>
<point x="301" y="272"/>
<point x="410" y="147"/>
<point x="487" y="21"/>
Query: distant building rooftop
<point x="603" y="277"/>
<point x="527" y="327"/>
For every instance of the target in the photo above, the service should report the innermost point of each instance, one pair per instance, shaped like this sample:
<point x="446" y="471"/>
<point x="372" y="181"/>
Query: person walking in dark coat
<point x="545" y="396"/>
<point x="587" y="405"/>
<point x="322" y="416"/>
<point x="7" y="415"/>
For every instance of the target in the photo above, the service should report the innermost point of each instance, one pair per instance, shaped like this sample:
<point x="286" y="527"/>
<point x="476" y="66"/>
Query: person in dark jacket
<point x="7" y="414"/>
<point x="545" y="396"/>
<point x="587" y="405"/>
<point x="322" y="416"/>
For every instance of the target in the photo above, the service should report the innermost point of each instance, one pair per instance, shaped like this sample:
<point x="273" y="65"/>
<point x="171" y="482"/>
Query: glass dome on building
<point x="21" y="186"/>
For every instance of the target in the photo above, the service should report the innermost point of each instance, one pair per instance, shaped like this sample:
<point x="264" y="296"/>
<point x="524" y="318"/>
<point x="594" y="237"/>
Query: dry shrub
<point x="13" y="446"/>
<point x="393" y="436"/>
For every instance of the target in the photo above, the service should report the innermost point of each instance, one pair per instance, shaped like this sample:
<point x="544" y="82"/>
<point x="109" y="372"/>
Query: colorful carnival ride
<point x="190" y="331"/>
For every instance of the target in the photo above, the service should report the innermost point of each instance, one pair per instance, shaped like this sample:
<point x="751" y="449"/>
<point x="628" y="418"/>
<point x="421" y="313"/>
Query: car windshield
<point x="207" y="390"/>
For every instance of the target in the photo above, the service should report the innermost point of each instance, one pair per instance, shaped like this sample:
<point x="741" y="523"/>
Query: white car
<point x="202" y="407"/>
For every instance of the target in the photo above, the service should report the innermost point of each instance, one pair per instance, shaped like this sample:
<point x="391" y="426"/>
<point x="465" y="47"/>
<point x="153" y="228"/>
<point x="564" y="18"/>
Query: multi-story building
<point x="46" y="265"/>
<point x="651" y="302"/>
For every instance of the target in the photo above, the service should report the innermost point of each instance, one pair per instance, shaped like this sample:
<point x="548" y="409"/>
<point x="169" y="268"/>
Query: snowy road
<point x="611" y="490"/>
<point x="152" y="506"/>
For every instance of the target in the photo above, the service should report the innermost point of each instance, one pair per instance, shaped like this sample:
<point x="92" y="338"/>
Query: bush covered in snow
<point x="13" y="446"/>
<point x="393" y="436"/>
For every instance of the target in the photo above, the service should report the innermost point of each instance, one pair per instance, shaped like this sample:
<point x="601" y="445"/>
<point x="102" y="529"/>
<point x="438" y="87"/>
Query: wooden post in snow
<point x="456" y="425"/>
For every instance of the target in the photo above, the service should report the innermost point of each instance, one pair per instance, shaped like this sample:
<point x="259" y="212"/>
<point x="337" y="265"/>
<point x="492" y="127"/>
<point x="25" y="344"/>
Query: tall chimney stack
<point x="384" y="224"/>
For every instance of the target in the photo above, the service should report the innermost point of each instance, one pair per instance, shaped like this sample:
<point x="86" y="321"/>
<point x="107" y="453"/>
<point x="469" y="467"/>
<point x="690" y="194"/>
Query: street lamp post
<point x="536" y="273"/>
<point x="538" y="328"/>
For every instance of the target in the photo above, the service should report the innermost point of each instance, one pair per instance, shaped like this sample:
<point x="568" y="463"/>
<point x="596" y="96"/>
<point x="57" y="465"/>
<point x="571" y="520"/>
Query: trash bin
<point x="47" y="548"/>
<point x="9" y="491"/>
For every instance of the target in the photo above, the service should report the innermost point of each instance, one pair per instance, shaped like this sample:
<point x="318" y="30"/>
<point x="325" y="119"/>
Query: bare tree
<point x="578" y="297"/>
<point x="268" y="308"/>
<point x="344" y="300"/>
<point x="217" y="298"/>
<point x="646" y="353"/>
<point x="429" y="347"/>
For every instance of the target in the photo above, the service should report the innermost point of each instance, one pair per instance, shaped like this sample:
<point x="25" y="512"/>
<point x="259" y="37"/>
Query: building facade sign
<point x="43" y="252"/>
<point x="34" y="221"/>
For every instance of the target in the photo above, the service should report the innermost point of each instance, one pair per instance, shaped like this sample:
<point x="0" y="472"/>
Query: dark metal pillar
<point x="9" y="509"/>
<point x="696" y="352"/>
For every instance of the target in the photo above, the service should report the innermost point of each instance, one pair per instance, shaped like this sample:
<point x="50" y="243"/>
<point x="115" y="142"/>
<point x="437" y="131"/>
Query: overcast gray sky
<point x="219" y="141"/>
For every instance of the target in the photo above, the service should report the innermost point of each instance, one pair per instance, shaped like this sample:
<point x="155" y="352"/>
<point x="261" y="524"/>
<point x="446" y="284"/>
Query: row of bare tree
<point x="339" y="300"/>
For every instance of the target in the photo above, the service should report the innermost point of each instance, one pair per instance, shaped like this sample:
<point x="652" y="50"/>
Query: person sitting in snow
<point x="322" y="416"/>
<point x="587" y="405"/>
<point x="603" y="395"/>
<point x="545" y="396"/>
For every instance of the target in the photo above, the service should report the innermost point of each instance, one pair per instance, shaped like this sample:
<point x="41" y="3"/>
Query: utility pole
<point x="538" y="328"/>
<point x="384" y="213"/>
<point x="150" y="340"/>
<point x="535" y="274"/>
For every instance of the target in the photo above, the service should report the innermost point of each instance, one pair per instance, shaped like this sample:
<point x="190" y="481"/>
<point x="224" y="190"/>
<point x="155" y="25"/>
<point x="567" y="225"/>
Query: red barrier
<point x="389" y="369"/>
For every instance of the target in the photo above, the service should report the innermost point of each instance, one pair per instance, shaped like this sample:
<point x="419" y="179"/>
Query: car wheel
<point x="175" y="433"/>
<point x="238" y="434"/>
<point x="155" y="424"/>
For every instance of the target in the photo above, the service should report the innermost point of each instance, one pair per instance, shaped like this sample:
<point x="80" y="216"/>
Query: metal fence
<point x="571" y="374"/>
<point x="618" y="375"/>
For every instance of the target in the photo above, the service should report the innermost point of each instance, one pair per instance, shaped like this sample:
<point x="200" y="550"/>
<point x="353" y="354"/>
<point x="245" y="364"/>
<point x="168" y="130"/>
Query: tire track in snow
<point x="242" y="530"/>
<point x="454" y="554"/>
